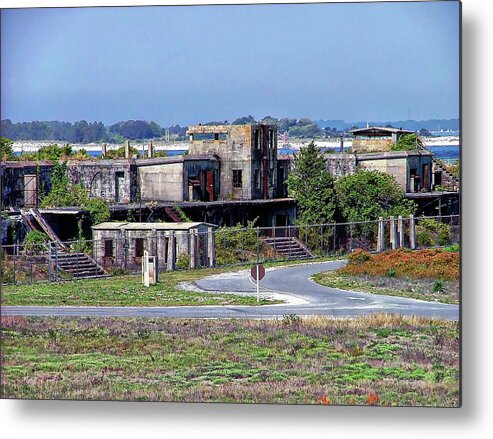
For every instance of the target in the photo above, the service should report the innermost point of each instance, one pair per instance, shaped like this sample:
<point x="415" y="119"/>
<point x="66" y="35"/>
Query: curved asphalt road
<point x="313" y="299"/>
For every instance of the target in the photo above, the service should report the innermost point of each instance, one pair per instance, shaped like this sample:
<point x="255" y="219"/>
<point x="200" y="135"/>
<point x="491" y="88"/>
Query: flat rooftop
<point x="110" y="225"/>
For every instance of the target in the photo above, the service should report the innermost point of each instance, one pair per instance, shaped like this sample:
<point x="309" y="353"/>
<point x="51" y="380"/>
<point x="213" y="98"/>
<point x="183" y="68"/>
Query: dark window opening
<point x="257" y="178"/>
<point x="271" y="138"/>
<point x="209" y="136"/>
<point x="139" y="247"/>
<point x="256" y="139"/>
<point x="108" y="248"/>
<point x="237" y="178"/>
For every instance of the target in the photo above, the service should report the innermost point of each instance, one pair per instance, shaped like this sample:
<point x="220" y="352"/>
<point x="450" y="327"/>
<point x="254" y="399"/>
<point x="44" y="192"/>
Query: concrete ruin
<point x="373" y="139"/>
<point x="248" y="155"/>
<point x="23" y="183"/>
<point x="176" y="245"/>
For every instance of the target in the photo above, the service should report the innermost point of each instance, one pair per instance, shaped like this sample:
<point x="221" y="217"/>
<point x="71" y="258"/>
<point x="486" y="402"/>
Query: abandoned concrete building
<point x="122" y="244"/>
<point x="248" y="155"/>
<point x="112" y="180"/>
<point x="378" y="139"/>
<point x="21" y="182"/>
<point x="416" y="171"/>
<point x="179" y="178"/>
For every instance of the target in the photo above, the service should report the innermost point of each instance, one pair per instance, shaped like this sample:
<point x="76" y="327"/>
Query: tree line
<point x="88" y="132"/>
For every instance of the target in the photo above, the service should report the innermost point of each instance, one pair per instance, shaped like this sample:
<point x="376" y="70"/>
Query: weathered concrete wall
<point x="401" y="165"/>
<point x="340" y="165"/>
<point x="162" y="182"/>
<point x="14" y="191"/>
<point x="393" y="166"/>
<point x="112" y="180"/>
<point x="370" y="145"/>
<point x="241" y="148"/>
<point x="156" y="242"/>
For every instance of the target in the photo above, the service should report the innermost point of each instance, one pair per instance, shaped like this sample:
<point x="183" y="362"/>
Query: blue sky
<point x="361" y="61"/>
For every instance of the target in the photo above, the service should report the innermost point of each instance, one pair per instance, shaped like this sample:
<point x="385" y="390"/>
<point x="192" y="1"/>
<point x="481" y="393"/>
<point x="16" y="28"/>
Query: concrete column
<point x="127" y="149"/>
<point x="412" y="232"/>
<point x="192" y="238"/>
<point x="393" y="233"/>
<point x="150" y="151"/>
<point x="411" y="184"/>
<point x="171" y="251"/>
<point x="211" y="247"/>
<point x="400" y="231"/>
<point x="103" y="150"/>
<point x="381" y="235"/>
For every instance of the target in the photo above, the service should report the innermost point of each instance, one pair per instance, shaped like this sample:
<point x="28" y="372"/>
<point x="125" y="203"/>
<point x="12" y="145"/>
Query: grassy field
<point x="123" y="291"/>
<point x="431" y="275"/>
<point x="378" y="360"/>
<point x="129" y="291"/>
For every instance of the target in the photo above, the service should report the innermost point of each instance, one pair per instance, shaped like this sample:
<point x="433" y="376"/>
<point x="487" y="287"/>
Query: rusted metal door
<point x="31" y="190"/>
<point x="209" y="185"/>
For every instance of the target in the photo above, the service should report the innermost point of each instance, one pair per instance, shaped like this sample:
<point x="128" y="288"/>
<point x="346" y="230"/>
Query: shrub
<point x="430" y="232"/>
<point x="35" y="242"/>
<point x="98" y="210"/>
<point x="359" y="256"/>
<point x="390" y="272"/>
<point x="428" y="263"/>
<point x="182" y="262"/>
<point x="438" y="286"/>
<point x="236" y="244"/>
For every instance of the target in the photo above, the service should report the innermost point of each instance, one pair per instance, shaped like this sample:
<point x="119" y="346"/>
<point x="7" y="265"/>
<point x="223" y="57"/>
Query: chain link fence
<point x="72" y="260"/>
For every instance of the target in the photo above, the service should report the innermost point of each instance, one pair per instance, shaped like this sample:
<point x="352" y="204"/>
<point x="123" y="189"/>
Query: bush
<point x="358" y="256"/>
<point x="99" y="210"/>
<point x="430" y="232"/>
<point x="182" y="262"/>
<point x="35" y="242"/>
<point x="236" y="244"/>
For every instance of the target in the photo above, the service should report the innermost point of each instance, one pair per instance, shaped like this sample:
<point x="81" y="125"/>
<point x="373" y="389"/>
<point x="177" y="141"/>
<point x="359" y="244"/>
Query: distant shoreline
<point x="34" y="145"/>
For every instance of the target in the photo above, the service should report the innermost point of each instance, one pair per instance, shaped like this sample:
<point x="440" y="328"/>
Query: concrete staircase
<point x="448" y="180"/>
<point x="288" y="247"/>
<point x="78" y="265"/>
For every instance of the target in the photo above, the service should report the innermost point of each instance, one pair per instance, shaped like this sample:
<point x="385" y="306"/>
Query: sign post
<point x="258" y="272"/>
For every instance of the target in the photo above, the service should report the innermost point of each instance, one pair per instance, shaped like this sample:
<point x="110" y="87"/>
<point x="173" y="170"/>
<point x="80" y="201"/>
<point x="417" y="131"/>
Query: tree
<point x="245" y="120"/>
<point x="407" y="142"/>
<point x="6" y="149"/>
<point x="312" y="186"/>
<point x="368" y="195"/>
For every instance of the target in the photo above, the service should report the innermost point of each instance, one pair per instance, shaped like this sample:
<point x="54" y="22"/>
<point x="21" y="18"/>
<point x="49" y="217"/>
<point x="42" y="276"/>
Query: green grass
<point x="129" y="291"/>
<point x="422" y="289"/>
<point x="122" y="291"/>
<point x="405" y="361"/>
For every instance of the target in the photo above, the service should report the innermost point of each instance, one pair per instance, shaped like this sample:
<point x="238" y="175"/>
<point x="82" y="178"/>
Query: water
<point x="447" y="153"/>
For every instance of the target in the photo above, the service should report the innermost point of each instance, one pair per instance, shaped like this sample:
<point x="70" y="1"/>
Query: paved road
<point x="308" y="297"/>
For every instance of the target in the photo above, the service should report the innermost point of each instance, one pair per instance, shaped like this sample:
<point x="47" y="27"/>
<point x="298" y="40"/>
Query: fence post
<point x="412" y="232"/>
<point x="171" y="251"/>
<point x="393" y="233"/>
<point x="211" y="247"/>
<point x="381" y="237"/>
<point x="321" y="241"/>
<point x="400" y="231"/>
<point x="15" y="254"/>
<point x="192" y="238"/>
<point x="350" y="237"/>
<point x="56" y="261"/>
<point x="49" y="261"/>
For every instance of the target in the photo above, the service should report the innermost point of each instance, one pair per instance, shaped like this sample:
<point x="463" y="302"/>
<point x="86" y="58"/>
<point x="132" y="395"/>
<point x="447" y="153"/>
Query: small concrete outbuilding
<point x="122" y="244"/>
